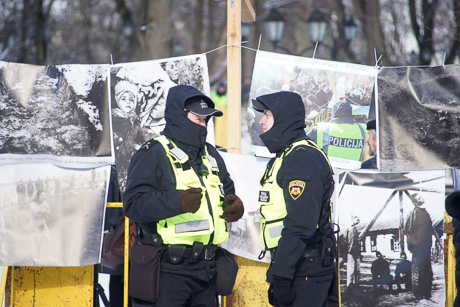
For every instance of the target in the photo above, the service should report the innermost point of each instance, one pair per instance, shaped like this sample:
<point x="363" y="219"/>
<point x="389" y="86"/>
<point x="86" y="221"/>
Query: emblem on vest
<point x="348" y="143"/>
<point x="264" y="196"/>
<point x="296" y="188"/>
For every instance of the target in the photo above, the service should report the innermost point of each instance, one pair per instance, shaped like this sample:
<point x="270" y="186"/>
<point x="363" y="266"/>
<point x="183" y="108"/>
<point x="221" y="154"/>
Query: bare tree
<point x="403" y="32"/>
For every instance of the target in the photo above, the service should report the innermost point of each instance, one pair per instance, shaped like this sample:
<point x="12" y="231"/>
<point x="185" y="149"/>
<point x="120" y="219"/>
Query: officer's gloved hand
<point x="233" y="208"/>
<point x="190" y="199"/>
<point x="282" y="290"/>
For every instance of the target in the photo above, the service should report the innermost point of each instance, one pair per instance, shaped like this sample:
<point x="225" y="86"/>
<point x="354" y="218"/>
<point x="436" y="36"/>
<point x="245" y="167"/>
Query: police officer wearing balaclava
<point x="294" y="198"/>
<point x="181" y="196"/>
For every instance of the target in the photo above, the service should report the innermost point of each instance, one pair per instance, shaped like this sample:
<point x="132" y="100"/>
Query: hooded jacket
<point x="151" y="194"/>
<point x="289" y="113"/>
<point x="305" y="164"/>
<point x="188" y="136"/>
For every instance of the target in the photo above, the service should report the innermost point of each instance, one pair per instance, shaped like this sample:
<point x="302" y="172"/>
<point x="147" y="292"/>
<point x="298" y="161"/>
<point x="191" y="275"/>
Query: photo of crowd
<point x="336" y="97"/>
<point x="50" y="216"/>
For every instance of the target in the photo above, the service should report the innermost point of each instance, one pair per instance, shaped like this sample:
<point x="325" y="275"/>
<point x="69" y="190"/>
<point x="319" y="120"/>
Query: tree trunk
<point x="454" y="50"/>
<point x="374" y="35"/>
<point x="156" y="36"/>
<point x="424" y="32"/>
<point x="304" y="45"/>
<point x="198" y="31"/>
<point x="39" y="27"/>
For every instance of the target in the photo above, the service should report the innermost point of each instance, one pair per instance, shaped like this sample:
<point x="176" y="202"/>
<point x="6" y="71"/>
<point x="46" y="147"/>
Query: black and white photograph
<point x="418" y="118"/>
<point x="138" y="100"/>
<point x="390" y="247"/>
<point x="51" y="216"/>
<point x="244" y="239"/>
<point x="55" y="114"/>
<point x="336" y="96"/>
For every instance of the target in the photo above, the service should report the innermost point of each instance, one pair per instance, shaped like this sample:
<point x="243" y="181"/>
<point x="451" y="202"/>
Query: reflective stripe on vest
<point x="344" y="141"/>
<point x="205" y="225"/>
<point x="271" y="199"/>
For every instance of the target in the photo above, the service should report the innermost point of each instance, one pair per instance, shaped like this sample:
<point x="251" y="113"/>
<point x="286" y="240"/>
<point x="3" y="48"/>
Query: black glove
<point x="282" y="290"/>
<point x="190" y="200"/>
<point x="233" y="208"/>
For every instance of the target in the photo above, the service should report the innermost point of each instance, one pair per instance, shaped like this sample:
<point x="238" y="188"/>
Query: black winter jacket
<point x="305" y="164"/>
<point x="151" y="194"/>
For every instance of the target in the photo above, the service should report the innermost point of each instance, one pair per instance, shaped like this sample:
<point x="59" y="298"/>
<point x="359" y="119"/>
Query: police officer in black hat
<point x="181" y="196"/>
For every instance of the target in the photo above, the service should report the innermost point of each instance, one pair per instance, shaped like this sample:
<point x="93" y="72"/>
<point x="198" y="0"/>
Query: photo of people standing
<point x="390" y="251"/>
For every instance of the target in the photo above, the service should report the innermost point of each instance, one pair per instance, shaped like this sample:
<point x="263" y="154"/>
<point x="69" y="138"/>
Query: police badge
<point x="296" y="188"/>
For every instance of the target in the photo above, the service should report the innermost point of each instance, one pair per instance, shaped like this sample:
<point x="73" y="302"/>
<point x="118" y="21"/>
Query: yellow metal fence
<point x="250" y="288"/>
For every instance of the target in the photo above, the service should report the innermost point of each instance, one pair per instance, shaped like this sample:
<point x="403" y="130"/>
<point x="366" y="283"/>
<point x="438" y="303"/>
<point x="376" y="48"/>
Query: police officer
<point x="340" y="137"/>
<point x="295" y="206"/>
<point x="181" y="195"/>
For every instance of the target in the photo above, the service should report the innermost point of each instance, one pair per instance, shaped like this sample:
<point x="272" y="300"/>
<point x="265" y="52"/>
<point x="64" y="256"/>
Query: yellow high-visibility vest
<point x="341" y="140"/>
<point x="206" y="223"/>
<point x="271" y="199"/>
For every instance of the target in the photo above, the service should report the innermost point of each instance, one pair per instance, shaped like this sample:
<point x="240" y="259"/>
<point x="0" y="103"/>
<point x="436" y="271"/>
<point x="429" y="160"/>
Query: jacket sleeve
<point x="224" y="175"/>
<point x="303" y="166"/>
<point x="150" y="194"/>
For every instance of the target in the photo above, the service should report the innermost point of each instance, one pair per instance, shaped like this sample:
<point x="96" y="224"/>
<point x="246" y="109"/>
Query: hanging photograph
<point x="336" y="96"/>
<point x="418" y="118"/>
<point x="244" y="239"/>
<point x="51" y="216"/>
<point x="55" y="114"/>
<point x="390" y="247"/>
<point x="138" y="98"/>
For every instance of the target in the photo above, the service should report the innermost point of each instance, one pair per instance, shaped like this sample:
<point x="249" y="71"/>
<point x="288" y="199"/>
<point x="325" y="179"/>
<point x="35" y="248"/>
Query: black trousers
<point x="179" y="290"/>
<point x="311" y="291"/>
<point x="313" y="284"/>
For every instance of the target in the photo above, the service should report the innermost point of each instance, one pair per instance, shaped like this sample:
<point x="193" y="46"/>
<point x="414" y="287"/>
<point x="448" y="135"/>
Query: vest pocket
<point x="272" y="232"/>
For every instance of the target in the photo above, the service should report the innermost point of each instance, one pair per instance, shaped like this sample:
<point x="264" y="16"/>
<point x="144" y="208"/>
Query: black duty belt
<point x="177" y="253"/>
<point x="208" y="252"/>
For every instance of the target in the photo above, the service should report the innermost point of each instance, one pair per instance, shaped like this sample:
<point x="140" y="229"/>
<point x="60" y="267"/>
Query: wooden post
<point x="234" y="76"/>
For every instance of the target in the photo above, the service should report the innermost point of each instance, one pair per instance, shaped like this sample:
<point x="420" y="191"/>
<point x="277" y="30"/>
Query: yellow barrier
<point x="3" y="284"/>
<point x="126" y="262"/>
<point x="449" y="264"/>
<point x="250" y="288"/>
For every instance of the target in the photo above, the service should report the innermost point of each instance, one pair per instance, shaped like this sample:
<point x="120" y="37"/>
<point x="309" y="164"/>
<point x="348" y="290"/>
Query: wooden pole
<point x="234" y="76"/>
<point x="363" y="233"/>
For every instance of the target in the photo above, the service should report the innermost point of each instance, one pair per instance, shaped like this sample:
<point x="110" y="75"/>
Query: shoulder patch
<point x="149" y="144"/>
<point x="296" y="188"/>
<point x="301" y="147"/>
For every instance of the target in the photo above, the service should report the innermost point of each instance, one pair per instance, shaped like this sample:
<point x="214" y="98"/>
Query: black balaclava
<point x="289" y="119"/>
<point x="178" y="127"/>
